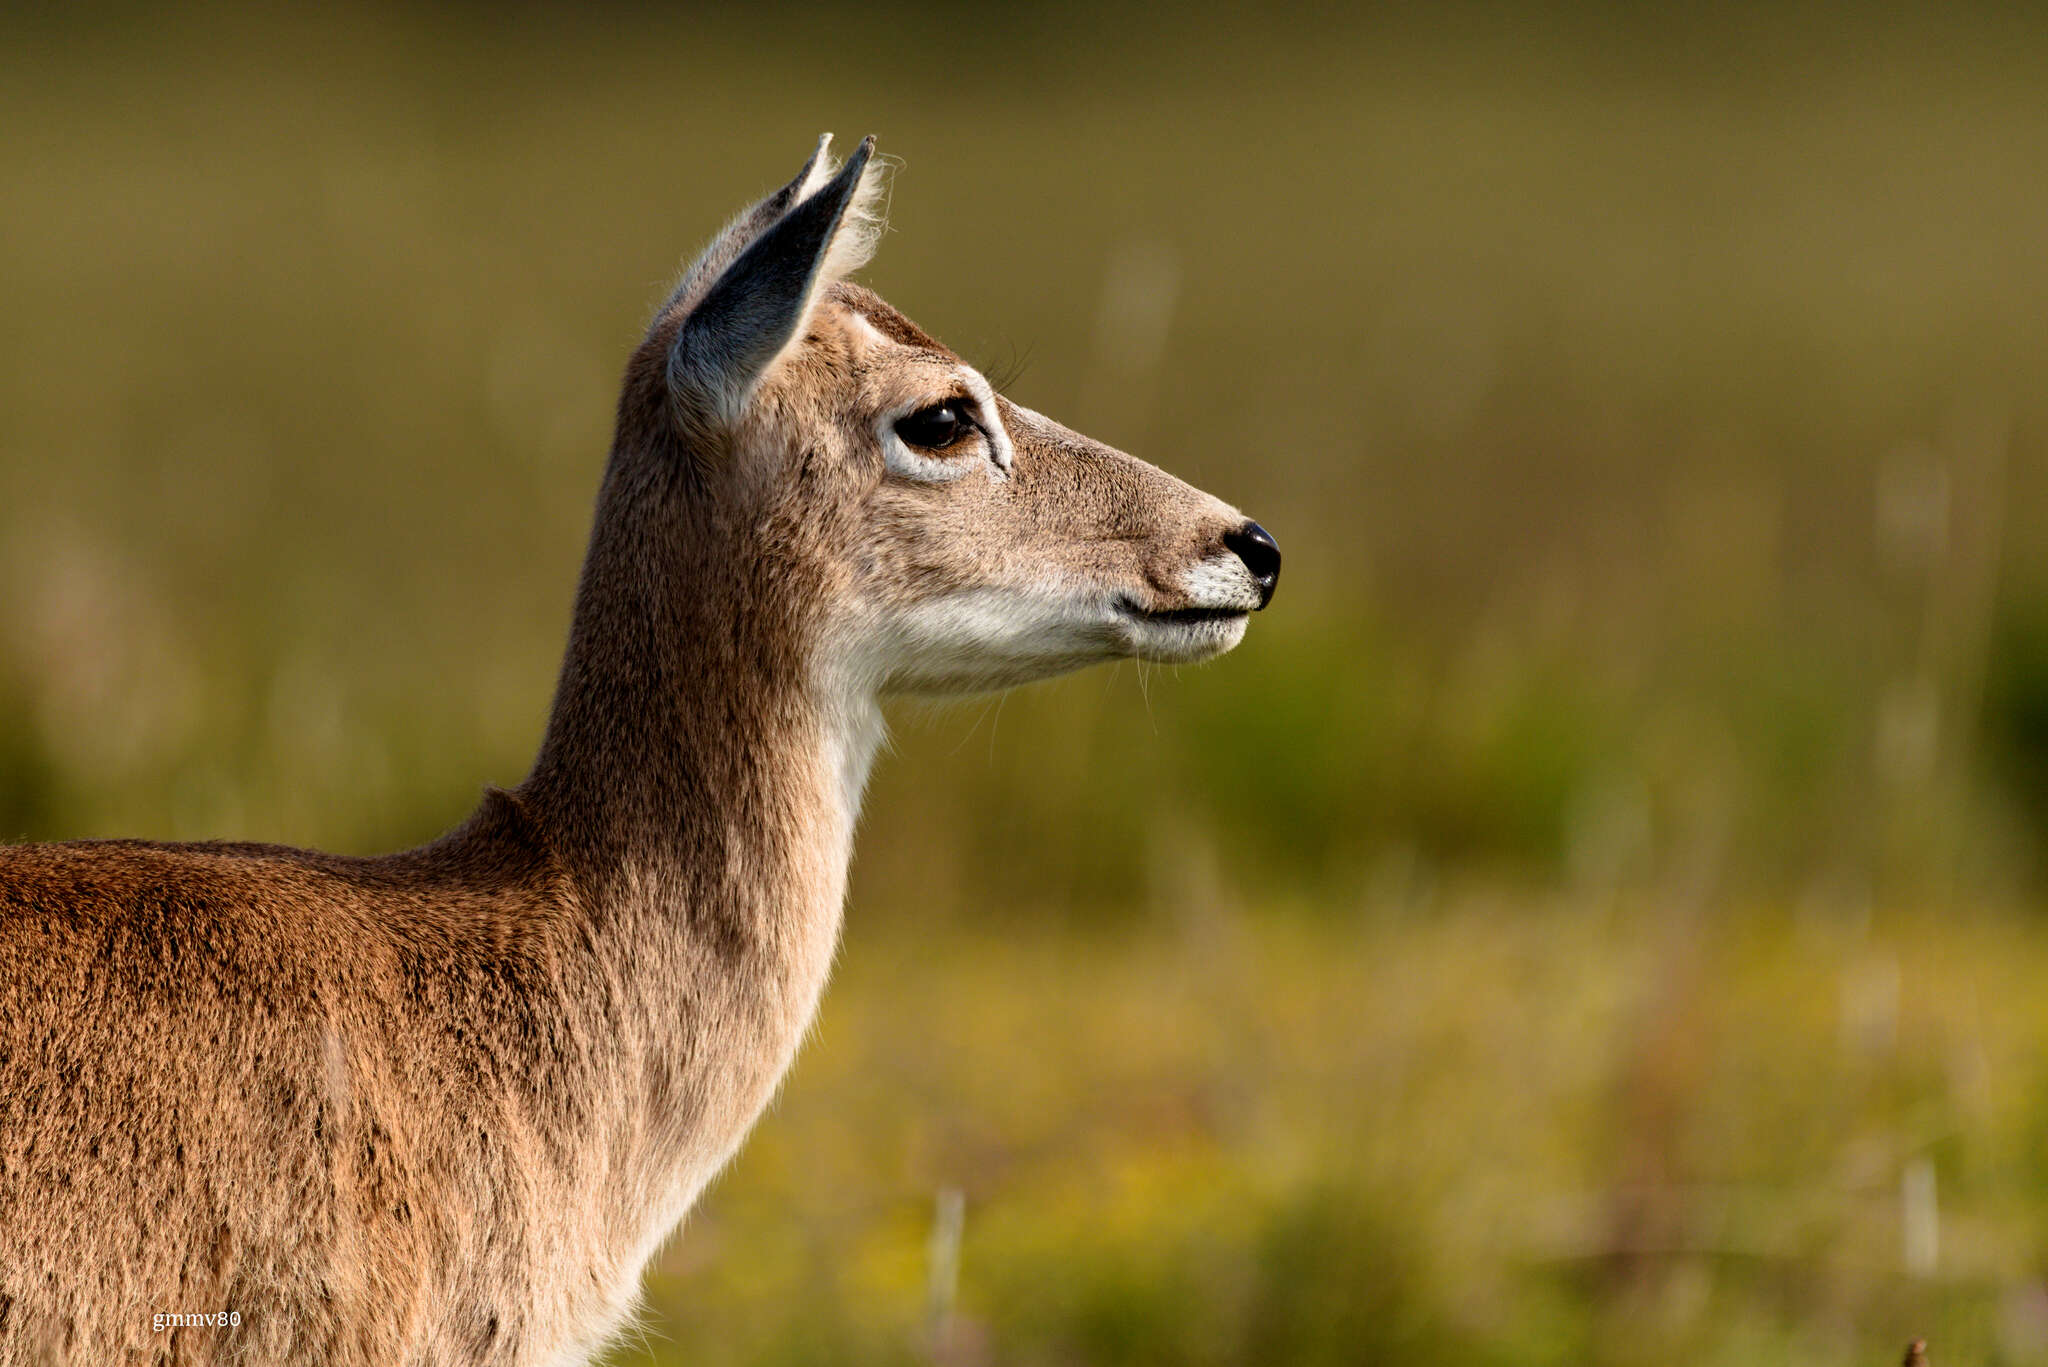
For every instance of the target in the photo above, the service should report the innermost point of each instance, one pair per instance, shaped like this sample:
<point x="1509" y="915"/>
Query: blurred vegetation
<point x="1594" y="918"/>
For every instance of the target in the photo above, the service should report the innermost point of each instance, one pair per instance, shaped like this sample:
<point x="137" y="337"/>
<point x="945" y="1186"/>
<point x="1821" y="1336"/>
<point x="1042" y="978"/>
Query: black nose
<point x="1261" y="555"/>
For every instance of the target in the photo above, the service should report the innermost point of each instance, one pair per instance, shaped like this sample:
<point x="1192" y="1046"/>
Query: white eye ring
<point x="994" y="441"/>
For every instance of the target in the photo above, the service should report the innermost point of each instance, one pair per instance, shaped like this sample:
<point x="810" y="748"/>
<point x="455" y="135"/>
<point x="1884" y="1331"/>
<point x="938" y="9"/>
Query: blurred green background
<point x="1596" y="918"/>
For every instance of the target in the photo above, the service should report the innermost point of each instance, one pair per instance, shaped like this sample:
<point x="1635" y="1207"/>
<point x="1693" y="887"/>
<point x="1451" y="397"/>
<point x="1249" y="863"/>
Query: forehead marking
<point x="874" y="334"/>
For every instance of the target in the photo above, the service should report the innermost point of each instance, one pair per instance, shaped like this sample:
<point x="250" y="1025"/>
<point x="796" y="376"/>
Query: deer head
<point x="856" y="485"/>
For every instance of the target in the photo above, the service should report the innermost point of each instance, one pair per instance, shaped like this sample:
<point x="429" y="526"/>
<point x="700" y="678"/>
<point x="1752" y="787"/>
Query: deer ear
<point x="756" y="219"/>
<point x="761" y="303"/>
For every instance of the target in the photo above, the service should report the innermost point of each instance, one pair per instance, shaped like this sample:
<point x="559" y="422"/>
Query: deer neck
<point x="694" y="724"/>
<point x="699" y="784"/>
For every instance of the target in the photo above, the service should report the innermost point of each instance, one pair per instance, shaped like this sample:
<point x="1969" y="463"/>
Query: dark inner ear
<point x="754" y="311"/>
<point x="748" y="229"/>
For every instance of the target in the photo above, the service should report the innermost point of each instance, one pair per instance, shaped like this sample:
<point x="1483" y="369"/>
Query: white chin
<point x="1175" y="640"/>
<point x="977" y="641"/>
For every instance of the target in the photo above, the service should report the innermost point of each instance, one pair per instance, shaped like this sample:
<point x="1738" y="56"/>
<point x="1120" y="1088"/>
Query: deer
<point x="269" y="1105"/>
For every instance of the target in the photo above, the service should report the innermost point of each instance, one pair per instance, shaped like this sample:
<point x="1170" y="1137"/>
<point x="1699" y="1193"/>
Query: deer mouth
<point x="1180" y="635"/>
<point x="1184" y="617"/>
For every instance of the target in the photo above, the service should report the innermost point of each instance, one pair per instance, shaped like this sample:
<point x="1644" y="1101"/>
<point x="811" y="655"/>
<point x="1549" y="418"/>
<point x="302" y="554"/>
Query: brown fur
<point x="441" y="1106"/>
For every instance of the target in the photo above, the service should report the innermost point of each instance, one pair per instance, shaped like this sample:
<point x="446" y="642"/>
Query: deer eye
<point x="937" y="427"/>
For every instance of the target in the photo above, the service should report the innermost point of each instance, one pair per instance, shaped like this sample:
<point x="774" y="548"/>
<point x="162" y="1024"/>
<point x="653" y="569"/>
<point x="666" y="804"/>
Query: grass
<point x="1467" y="1132"/>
